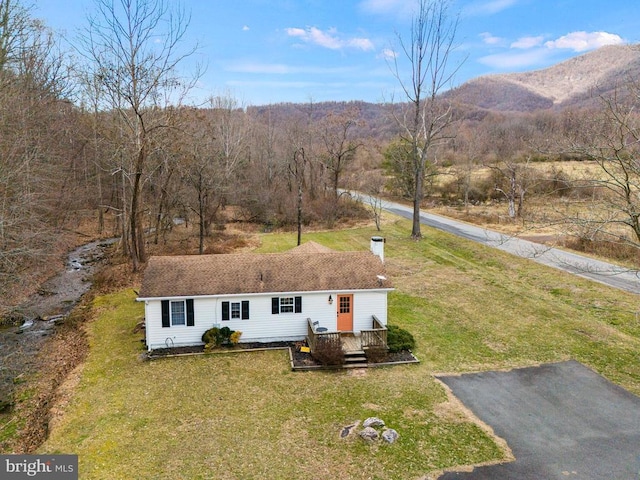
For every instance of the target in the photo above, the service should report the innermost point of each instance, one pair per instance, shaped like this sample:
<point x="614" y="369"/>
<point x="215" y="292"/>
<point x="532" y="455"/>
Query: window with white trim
<point x="286" y="305"/>
<point x="178" y="315"/>
<point x="235" y="310"/>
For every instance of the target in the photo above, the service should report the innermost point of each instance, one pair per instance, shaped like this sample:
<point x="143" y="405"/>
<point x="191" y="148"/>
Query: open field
<point x="567" y="204"/>
<point x="247" y="415"/>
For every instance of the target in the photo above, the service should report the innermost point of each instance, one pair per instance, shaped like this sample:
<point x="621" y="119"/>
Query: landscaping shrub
<point x="216" y="337"/>
<point x="210" y="337"/>
<point x="234" y="338"/>
<point x="224" y="337"/>
<point x="376" y="354"/>
<point x="399" y="339"/>
<point x="328" y="352"/>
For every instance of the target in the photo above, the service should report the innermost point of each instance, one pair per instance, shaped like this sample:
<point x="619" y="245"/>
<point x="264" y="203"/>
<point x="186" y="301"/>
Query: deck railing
<point x="314" y="337"/>
<point x="376" y="336"/>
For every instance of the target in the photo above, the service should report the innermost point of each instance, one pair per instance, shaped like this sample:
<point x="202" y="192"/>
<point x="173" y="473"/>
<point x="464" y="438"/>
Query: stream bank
<point x="30" y="327"/>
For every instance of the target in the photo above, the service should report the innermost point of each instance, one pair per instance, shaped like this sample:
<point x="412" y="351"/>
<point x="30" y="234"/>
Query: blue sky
<point x="269" y="51"/>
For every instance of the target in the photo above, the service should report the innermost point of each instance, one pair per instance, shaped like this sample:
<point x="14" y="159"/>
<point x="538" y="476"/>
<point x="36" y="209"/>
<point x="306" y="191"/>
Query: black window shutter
<point x="166" y="322"/>
<point x="191" y="320"/>
<point x="225" y="310"/>
<point x="275" y="305"/>
<point x="245" y="310"/>
<point x="298" y="304"/>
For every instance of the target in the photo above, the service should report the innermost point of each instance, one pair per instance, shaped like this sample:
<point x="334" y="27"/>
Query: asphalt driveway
<point x="561" y="420"/>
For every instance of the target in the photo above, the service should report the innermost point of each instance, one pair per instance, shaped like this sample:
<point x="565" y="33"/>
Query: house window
<point x="286" y="305"/>
<point x="178" y="313"/>
<point x="235" y="310"/>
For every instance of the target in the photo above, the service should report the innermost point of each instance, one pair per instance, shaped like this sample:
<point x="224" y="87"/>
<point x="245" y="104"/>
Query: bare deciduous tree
<point x="217" y="150"/>
<point x="134" y="49"/>
<point x="611" y="139"/>
<point x="339" y="147"/>
<point x="36" y="145"/>
<point x="424" y="123"/>
<point x="515" y="173"/>
<point x="15" y="28"/>
<point x="297" y="168"/>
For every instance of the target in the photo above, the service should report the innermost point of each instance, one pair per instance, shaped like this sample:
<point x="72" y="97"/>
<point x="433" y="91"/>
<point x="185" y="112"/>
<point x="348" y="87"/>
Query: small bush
<point x="217" y="337"/>
<point x="376" y="354"/>
<point x="225" y="335"/>
<point x="234" y="338"/>
<point x="398" y="339"/>
<point x="210" y="337"/>
<point x="328" y="352"/>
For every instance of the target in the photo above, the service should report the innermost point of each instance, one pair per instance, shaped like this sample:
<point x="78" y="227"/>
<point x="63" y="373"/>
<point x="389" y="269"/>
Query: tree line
<point x="111" y="133"/>
<point x="106" y="130"/>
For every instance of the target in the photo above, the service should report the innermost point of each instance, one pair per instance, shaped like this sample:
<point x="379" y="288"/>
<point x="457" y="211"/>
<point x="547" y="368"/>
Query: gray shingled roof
<point x="298" y="270"/>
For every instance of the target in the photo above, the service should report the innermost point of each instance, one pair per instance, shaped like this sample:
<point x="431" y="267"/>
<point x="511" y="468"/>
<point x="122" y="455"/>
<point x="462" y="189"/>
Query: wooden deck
<point x="351" y="342"/>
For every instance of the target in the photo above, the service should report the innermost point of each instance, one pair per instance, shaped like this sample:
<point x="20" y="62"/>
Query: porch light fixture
<point x="330" y="299"/>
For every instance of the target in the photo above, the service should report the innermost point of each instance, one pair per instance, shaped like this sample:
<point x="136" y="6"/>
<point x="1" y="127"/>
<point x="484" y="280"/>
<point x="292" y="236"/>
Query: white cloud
<point x="361" y="44"/>
<point x="329" y="39"/>
<point x="490" y="39"/>
<point x="533" y="51"/>
<point x="583" y="41"/>
<point x="512" y="61"/>
<point x="296" y="32"/>
<point x="245" y="28"/>
<point x="528" y="42"/>
<point x="388" y="54"/>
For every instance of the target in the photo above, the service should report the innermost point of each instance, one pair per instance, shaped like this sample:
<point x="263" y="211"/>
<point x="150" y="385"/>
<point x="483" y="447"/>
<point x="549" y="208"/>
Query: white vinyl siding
<point x="263" y="326"/>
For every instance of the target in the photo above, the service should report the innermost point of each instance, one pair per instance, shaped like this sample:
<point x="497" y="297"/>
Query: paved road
<point x="561" y="420"/>
<point x="603" y="272"/>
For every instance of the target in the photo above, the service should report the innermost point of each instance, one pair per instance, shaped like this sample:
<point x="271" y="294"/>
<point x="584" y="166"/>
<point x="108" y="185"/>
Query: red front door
<point x="345" y="313"/>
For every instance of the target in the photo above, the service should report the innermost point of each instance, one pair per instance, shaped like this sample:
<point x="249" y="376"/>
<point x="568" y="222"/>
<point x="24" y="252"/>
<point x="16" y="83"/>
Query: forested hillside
<point x="569" y="84"/>
<point x="100" y="144"/>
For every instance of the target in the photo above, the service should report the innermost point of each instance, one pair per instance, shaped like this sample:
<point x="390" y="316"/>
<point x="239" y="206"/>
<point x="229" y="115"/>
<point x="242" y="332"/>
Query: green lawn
<point x="246" y="415"/>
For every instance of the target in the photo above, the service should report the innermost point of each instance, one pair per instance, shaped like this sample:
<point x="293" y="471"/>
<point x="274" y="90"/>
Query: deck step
<point x="355" y="359"/>
<point x="356" y="365"/>
<point x="353" y="353"/>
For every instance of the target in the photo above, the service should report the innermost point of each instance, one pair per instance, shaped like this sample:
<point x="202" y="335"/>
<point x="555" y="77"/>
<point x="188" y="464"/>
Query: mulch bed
<point x="299" y="359"/>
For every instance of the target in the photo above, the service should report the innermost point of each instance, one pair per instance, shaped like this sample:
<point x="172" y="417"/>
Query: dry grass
<point x="248" y="416"/>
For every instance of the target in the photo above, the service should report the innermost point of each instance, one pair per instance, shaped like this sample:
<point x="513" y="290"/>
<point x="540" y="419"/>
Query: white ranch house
<point x="308" y="291"/>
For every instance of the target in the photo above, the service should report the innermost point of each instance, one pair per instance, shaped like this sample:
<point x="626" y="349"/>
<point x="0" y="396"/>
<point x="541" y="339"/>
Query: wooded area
<point x="105" y="137"/>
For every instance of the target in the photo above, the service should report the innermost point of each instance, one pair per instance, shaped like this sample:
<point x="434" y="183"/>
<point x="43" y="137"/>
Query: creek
<point x="34" y="320"/>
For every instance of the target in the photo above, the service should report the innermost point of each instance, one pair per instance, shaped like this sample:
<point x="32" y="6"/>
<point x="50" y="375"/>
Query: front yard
<point x="247" y="415"/>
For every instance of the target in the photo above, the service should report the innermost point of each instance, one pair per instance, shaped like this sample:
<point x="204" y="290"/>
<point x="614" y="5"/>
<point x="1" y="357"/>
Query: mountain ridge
<point x="561" y="84"/>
